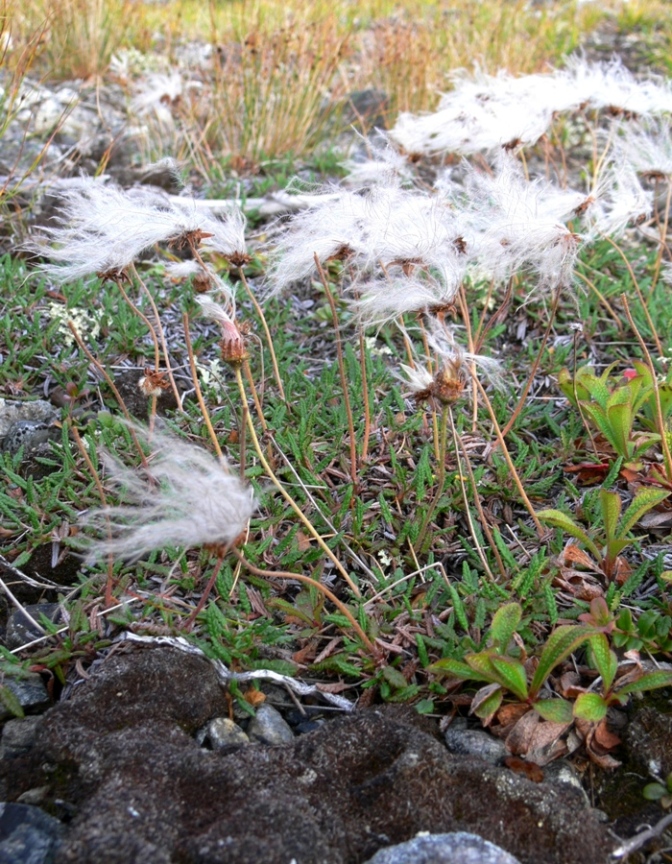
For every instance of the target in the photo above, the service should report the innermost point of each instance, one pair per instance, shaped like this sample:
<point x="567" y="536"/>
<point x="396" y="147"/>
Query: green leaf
<point x="10" y="701"/>
<point x="511" y="675"/>
<point x="643" y="501"/>
<point x="605" y="660"/>
<point x="456" y="669"/>
<point x="560" y="520"/>
<point x="486" y="707"/>
<point x="611" y="510"/>
<point x="619" y="417"/>
<point x="424" y="706"/>
<point x="654" y="791"/>
<point x="559" y="646"/>
<point x="648" y="681"/>
<point x="394" y="677"/>
<point x="555" y="710"/>
<point x="504" y="624"/>
<point x="590" y="706"/>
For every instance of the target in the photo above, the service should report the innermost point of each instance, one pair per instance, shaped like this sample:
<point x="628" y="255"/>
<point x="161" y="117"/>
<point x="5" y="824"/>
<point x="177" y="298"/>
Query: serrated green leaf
<point x="455" y="668"/>
<point x="394" y="677"/>
<point x="511" y="675"/>
<point x="504" y="624"/>
<point x="610" y="503"/>
<point x="591" y="707"/>
<point x="648" y="681"/>
<point x="605" y="660"/>
<point x="559" y="646"/>
<point x="643" y="501"/>
<point x="555" y="710"/>
<point x="560" y="520"/>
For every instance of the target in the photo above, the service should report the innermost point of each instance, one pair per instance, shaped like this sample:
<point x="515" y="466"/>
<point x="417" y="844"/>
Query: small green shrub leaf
<point x="590" y="706"/>
<point x="504" y="624"/>
<point x="648" y="681"/>
<point x="456" y="669"/>
<point x="558" y="519"/>
<point x="554" y="710"/>
<point x="511" y="675"/>
<point x="643" y="501"/>
<point x="606" y="661"/>
<point x="559" y="646"/>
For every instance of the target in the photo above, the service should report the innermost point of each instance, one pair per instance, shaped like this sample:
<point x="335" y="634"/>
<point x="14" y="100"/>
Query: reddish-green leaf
<point x="562" y="641"/>
<point x="487" y="701"/>
<point x="590" y="706"/>
<point x="456" y="669"/>
<point x="648" y="681"/>
<point x="511" y="674"/>
<point x="605" y="660"/>
<point x="555" y="710"/>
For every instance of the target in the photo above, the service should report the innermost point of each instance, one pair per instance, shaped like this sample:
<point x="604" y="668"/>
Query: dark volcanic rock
<point x="123" y="756"/>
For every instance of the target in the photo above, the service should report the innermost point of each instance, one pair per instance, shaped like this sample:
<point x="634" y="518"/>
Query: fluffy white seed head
<point x="186" y="497"/>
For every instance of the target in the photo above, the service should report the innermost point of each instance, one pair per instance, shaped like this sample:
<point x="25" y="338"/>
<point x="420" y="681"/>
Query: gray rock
<point x="30" y="692"/>
<point x="18" y="736"/>
<point x="27" y="835"/>
<point x="123" y="746"/>
<point x="269" y="727"/>
<point x="474" y="742"/>
<point x="222" y="733"/>
<point x="456" y="848"/>
<point x="20" y="629"/>
<point x="13" y="411"/>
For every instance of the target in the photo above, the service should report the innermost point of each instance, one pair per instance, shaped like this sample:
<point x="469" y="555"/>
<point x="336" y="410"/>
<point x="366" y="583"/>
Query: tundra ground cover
<point x="398" y="496"/>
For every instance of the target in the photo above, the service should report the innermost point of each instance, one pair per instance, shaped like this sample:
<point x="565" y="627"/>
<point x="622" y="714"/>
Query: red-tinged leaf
<point x="605" y="660"/>
<point x="648" y="681"/>
<point x="555" y="710"/>
<point x="591" y="707"/>
<point x="456" y="669"/>
<point x="571" y="554"/>
<point x="560" y="644"/>
<point x="486" y="702"/>
<point x="511" y="675"/>
<point x="604" y="760"/>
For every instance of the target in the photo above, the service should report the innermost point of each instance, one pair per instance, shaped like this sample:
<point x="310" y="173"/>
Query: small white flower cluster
<point x="86" y="322"/>
<point x="186" y="498"/>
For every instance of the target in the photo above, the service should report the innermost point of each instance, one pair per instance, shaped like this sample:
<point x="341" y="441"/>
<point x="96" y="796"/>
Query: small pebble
<point x="222" y="733"/>
<point x="269" y="727"/>
<point x="474" y="742"/>
<point x="458" y="847"/>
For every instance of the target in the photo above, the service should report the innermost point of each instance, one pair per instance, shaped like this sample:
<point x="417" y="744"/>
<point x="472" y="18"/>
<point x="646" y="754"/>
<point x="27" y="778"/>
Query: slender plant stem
<point x="460" y="449"/>
<point x="640" y="296"/>
<point x="110" y="383"/>
<point x="440" y="478"/>
<point x="663" y="235"/>
<point x="162" y="337"/>
<point x="365" y="396"/>
<point x="197" y="387"/>
<point x="188" y="624"/>
<point x="299" y="577"/>
<point x="662" y="430"/>
<point x="509" y="461"/>
<point x="535" y="366"/>
<point x="288" y="498"/>
<point x="141" y="315"/>
<point x="109" y="582"/>
<point x="269" y="340"/>
<point x="341" y="370"/>
<point x="603" y="300"/>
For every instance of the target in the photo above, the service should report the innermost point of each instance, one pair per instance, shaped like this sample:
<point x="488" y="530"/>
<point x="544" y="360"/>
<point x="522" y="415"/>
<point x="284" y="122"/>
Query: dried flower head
<point x="186" y="497"/>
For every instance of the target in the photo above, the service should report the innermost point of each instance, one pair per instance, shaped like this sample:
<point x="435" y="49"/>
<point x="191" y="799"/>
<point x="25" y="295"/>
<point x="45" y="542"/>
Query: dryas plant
<point x="605" y="543"/>
<point x="508" y="678"/>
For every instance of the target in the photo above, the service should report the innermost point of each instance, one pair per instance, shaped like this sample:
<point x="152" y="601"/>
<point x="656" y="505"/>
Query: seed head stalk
<point x="341" y="370"/>
<point x="197" y="387"/>
<point x="162" y="337"/>
<point x="440" y="477"/>
<point x="507" y="456"/>
<point x="299" y="577"/>
<point x="662" y="429"/>
<point x="267" y="332"/>
<point x="288" y="498"/>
